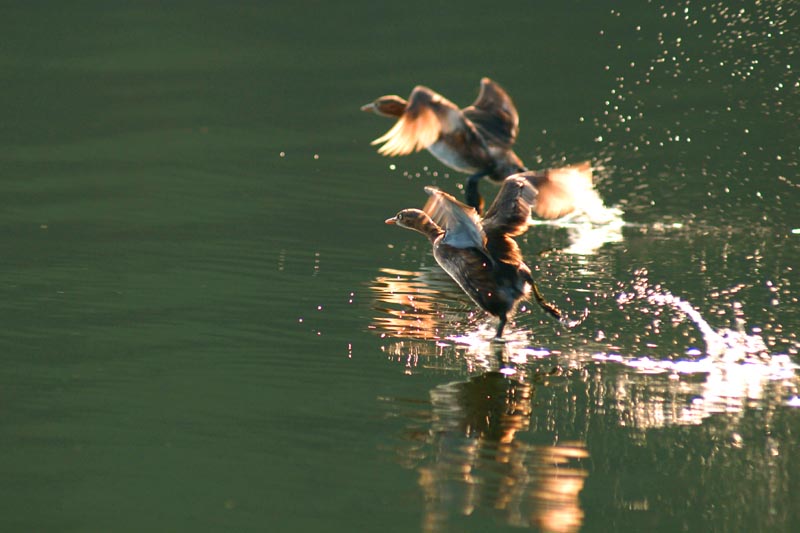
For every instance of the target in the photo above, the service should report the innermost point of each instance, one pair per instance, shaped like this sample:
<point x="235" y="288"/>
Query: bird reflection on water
<point x="470" y="457"/>
<point x="732" y="371"/>
<point x="425" y="326"/>
<point x="507" y="439"/>
<point x="467" y="448"/>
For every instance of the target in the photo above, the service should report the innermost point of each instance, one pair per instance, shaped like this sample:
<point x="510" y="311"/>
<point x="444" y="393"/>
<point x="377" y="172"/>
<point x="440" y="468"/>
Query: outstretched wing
<point x="511" y="209"/>
<point x="508" y="217"/>
<point x="461" y="223"/>
<point x="420" y="125"/>
<point x="560" y="189"/>
<point x="494" y="115"/>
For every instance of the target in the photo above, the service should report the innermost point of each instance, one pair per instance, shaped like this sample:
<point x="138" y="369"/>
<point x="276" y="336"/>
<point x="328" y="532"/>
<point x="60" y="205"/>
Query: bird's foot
<point x="566" y="322"/>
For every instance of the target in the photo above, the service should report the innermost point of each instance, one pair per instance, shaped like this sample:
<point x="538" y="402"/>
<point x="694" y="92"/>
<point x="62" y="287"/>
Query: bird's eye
<point x="399" y="216"/>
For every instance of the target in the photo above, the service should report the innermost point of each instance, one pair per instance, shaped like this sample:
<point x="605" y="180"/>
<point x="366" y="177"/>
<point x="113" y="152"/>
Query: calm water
<point x="207" y="327"/>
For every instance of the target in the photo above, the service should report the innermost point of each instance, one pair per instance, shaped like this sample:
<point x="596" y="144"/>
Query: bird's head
<point x="387" y="106"/>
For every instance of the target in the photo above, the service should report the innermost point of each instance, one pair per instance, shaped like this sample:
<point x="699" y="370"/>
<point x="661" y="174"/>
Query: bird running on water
<point x="480" y="254"/>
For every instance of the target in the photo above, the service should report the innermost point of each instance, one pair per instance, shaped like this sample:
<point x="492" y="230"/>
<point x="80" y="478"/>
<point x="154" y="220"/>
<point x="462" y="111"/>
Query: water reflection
<point x="586" y="237"/>
<point x="724" y="372"/>
<point x="512" y="443"/>
<point x="424" y="316"/>
<point x="735" y="370"/>
<point x="716" y="371"/>
<point x="410" y="301"/>
<point x="424" y="304"/>
<point x="469" y="457"/>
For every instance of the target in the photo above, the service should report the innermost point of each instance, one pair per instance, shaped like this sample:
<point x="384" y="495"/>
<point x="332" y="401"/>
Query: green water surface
<point x="208" y="327"/>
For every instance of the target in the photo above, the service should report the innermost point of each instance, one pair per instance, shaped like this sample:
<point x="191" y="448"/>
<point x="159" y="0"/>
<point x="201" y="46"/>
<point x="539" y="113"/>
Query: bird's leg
<point x="473" y="195"/>
<point x="555" y="311"/>
<point x="544" y="304"/>
<point x="500" y="327"/>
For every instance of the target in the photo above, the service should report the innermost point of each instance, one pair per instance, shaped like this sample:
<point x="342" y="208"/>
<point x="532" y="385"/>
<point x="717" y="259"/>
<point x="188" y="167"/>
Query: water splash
<point x="591" y="225"/>
<point x="737" y="366"/>
<point x="725" y="343"/>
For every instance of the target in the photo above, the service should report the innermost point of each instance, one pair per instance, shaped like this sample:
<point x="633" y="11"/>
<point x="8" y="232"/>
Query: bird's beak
<point x="369" y="108"/>
<point x="391" y="221"/>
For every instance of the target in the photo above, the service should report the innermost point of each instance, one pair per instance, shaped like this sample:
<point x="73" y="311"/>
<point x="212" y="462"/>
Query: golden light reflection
<point x="476" y="462"/>
<point x="479" y="447"/>
<point x="426" y="318"/>
<point x="483" y="445"/>
<point x="734" y="370"/>
<point x="422" y="305"/>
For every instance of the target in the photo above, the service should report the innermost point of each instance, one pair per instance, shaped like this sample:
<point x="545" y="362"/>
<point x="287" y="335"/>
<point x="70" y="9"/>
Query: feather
<point x="494" y="115"/>
<point x="460" y="222"/>
<point x="560" y="189"/>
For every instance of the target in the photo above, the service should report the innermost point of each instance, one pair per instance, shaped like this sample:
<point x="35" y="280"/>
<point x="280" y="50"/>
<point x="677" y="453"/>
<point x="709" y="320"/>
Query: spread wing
<point x="494" y="115"/>
<point x="508" y="217"/>
<point x="560" y="189"/>
<point x="511" y="209"/>
<point x="420" y="125"/>
<point x="461" y="223"/>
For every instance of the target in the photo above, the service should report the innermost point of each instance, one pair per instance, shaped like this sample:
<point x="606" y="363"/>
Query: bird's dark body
<point x="494" y="286"/>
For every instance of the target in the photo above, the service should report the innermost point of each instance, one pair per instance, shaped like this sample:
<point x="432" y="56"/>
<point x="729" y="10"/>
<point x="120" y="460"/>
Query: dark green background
<point x="192" y="245"/>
